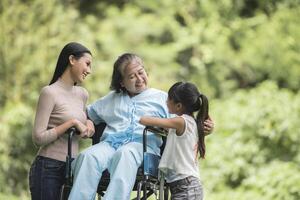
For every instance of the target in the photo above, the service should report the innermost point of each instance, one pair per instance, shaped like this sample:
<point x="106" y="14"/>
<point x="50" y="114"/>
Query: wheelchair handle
<point x="71" y="131"/>
<point x="158" y="130"/>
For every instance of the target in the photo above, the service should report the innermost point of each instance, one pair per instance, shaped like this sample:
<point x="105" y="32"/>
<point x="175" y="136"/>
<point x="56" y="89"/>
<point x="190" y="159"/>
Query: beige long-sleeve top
<point x="57" y="104"/>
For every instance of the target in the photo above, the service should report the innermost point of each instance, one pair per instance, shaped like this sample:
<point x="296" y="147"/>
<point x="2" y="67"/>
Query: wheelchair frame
<point x="66" y="188"/>
<point x="147" y="181"/>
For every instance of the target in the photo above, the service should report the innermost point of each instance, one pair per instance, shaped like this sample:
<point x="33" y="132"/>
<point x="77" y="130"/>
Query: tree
<point x="255" y="146"/>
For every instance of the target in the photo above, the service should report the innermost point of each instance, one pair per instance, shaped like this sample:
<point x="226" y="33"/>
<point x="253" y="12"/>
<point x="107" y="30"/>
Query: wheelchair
<point x="148" y="181"/>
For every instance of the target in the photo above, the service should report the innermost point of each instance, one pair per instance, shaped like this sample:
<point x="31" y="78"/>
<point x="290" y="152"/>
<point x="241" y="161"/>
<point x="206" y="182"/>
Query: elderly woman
<point x="120" y="149"/>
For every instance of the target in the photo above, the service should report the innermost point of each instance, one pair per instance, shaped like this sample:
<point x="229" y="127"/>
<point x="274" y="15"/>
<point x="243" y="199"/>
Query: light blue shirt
<point x="122" y="113"/>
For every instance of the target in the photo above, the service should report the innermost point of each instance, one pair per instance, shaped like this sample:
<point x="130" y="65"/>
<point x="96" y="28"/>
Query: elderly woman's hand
<point x="208" y="126"/>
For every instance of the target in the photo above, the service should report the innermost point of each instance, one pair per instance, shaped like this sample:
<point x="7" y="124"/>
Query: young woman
<point x="179" y="161"/>
<point x="61" y="105"/>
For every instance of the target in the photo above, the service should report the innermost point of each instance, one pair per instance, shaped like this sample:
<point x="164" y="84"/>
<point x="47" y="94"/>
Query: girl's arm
<point x="175" y="123"/>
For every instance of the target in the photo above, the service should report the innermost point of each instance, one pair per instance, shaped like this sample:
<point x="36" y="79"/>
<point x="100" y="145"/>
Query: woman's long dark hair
<point x="72" y="48"/>
<point x="119" y="65"/>
<point x="192" y="100"/>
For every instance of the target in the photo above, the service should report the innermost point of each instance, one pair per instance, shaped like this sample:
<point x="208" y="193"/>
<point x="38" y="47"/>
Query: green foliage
<point x="275" y="47"/>
<point x="27" y="58"/>
<point x="240" y="53"/>
<point x="16" y="152"/>
<point x="255" y="147"/>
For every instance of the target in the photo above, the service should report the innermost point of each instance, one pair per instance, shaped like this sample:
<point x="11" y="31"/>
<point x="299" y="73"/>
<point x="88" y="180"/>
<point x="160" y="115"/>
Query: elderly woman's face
<point x="135" y="78"/>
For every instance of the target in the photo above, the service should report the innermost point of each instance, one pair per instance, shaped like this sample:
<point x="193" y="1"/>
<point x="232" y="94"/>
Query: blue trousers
<point x="122" y="164"/>
<point x="46" y="178"/>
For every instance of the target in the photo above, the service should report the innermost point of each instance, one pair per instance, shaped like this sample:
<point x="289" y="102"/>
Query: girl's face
<point x="81" y="67"/>
<point x="135" y="78"/>
<point x="172" y="106"/>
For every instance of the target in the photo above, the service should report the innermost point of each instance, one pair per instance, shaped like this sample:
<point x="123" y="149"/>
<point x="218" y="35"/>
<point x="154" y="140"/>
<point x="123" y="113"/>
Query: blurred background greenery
<point x="244" y="54"/>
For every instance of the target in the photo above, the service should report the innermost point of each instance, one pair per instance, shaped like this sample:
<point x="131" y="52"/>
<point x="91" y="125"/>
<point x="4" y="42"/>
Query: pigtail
<point x="201" y="117"/>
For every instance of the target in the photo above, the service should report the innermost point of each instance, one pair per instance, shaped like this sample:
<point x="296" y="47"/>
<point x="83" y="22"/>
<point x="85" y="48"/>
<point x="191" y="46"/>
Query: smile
<point x="84" y="75"/>
<point x="139" y="85"/>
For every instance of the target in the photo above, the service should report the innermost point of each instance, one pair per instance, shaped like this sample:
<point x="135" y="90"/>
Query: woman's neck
<point x="66" y="79"/>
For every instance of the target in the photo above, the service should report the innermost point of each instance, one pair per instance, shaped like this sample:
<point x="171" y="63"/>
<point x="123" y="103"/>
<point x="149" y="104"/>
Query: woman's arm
<point x="61" y="129"/>
<point x="45" y="105"/>
<point x="174" y="123"/>
<point x="41" y="135"/>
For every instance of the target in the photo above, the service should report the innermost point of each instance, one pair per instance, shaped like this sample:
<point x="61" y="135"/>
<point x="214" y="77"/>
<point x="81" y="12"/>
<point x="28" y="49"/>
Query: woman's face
<point x="135" y="78"/>
<point x="81" y="67"/>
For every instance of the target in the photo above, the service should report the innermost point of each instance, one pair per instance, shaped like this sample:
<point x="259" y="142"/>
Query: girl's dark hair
<point x="72" y="48"/>
<point x="192" y="100"/>
<point x="123" y="61"/>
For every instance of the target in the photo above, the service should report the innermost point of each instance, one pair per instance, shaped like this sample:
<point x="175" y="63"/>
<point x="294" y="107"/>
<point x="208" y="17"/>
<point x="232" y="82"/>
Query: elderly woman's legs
<point x="88" y="168"/>
<point x="123" y="168"/>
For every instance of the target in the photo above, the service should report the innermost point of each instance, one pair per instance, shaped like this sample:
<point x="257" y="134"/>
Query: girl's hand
<point x="208" y="126"/>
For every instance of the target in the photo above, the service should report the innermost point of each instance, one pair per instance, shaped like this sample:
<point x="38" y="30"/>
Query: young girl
<point x="179" y="161"/>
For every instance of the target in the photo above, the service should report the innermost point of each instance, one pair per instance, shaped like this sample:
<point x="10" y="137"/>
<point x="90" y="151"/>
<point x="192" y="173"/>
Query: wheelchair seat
<point x="147" y="178"/>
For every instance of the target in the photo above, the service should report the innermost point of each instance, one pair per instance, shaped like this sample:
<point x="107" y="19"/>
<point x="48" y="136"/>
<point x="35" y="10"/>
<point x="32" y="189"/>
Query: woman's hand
<point x="90" y="128"/>
<point x="208" y="126"/>
<point x="80" y="127"/>
<point x="86" y="130"/>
